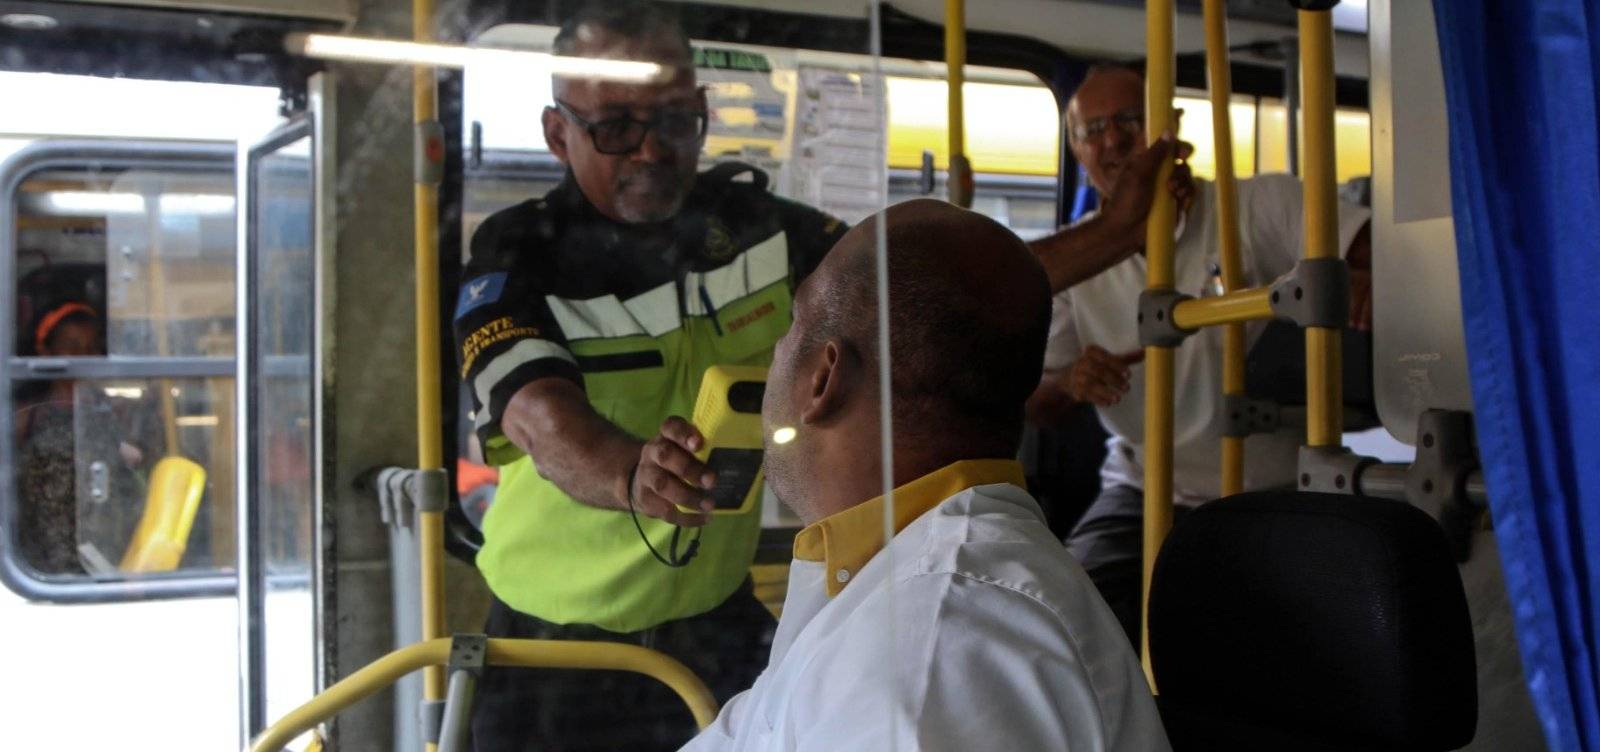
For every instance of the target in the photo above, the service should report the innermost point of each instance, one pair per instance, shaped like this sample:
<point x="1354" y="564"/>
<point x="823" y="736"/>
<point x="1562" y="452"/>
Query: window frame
<point x="46" y="154"/>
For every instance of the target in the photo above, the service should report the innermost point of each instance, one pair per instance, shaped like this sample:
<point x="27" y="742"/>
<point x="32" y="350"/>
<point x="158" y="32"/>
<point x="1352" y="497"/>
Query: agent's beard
<point x="651" y="193"/>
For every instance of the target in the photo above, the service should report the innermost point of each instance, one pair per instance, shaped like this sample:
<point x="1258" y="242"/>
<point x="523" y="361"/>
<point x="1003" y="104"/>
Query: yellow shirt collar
<point x="847" y="540"/>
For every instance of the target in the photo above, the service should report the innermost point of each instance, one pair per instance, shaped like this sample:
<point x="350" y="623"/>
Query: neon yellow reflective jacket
<point x="636" y="314"/>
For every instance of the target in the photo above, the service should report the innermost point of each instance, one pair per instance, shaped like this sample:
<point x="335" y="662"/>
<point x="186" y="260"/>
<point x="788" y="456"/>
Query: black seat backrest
<point x="1282" y="620"/>
<point x="1275" y="371"/>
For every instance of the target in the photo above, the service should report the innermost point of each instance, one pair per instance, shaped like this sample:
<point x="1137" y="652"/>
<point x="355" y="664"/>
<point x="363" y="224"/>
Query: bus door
<point x="282" y="270"/>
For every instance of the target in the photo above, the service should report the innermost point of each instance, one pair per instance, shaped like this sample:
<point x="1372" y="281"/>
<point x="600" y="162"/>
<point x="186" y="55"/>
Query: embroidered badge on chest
<point x="719" y="241"/>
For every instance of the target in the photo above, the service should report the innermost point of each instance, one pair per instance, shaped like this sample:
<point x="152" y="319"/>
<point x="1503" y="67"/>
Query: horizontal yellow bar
<point x="610" y="656"/>
<point x="375" y="676"/>
<point x="1252" y="304"/>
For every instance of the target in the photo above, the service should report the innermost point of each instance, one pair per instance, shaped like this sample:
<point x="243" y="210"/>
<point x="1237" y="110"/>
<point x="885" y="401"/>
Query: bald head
<point x="1104" y="121"/>
<point x="969" y="309"/>
<point x="624" y="30"/>
<point x="644" y="175"/>
<point x="1104" y="80"/>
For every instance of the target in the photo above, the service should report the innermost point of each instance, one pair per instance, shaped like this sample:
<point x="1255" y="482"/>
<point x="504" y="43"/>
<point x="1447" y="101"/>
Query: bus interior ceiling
<point x="357" y="298"/>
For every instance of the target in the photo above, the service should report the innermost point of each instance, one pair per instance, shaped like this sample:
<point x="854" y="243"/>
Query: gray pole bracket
<point x="1156" y="327"/>
<point x="430" y="490"/>
<point x="400" y="490"/>
<point x="1331" y="469"/>
<point x="1437" y="480"/>
<point x="468" y="652"/>
<point x="428" y="153"/>
<point x="1244" y="416"/>
<point x="431" y="714"/>
<point x="1315" y="293"/>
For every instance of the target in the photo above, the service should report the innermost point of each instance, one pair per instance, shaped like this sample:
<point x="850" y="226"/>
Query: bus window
<point x="1012" y="140"/>
<point x="1352" y="133"/>
<point x="1196" y="129"/>
<point x="1012" y="128"/>
<point x="121" y="430"/>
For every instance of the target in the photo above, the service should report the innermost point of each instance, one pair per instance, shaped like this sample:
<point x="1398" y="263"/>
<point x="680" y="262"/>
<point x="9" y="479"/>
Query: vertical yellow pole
<point x="958" y="178"/>
<point x="1158" y="91"/>
<point x="430" y="453"/>
<point x="1219" y="82"/>
<point x="1323" y="388"/>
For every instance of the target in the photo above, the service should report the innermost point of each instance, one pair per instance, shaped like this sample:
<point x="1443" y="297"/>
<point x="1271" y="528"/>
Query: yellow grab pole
<point x="430" y="453"/>
<point x="1158" y="90"/>
<point x="599" y="656"/>
<point x="958" y="178"/>
<point x="1219" y="83"/>
<point x="1324" y="400"/>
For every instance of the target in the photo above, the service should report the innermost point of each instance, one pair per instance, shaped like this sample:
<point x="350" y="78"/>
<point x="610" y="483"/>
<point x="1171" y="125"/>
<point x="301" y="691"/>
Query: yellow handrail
<point x="1230" y="310"/>
<point x="958" y="177"/>
<point x="430" y="452"/>
<point x="1219" y="83"/>
<point x="1158" y="90"/>
<point x="603" y="656"/>
<point x="1324" y="398"/>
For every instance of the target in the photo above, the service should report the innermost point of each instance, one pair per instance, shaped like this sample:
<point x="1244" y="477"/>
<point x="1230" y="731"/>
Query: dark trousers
<point x="1109" y="543"/>
<point x="562" y="710"/>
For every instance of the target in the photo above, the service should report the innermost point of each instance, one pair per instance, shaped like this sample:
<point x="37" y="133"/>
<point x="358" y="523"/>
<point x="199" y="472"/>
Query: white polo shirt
<point x="972" y="630"/>
<point x="1102" y="311"/>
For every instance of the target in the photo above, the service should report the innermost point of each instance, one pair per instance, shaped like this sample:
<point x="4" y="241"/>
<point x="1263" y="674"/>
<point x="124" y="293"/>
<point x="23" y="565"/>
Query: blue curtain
<point x="1521" y="80"/>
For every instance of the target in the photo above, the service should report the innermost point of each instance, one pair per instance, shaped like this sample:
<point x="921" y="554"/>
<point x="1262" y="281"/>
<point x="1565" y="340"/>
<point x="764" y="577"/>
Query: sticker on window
<point x="478" y="291"/>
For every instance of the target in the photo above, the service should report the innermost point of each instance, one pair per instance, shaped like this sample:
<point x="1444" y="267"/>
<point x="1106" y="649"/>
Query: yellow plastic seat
<point x="176" y="486"/>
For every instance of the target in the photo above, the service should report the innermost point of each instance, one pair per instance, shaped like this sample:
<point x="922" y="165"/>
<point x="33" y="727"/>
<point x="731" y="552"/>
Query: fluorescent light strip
<point x="94" y="203"/>
<point x="396" y="52"/>
<point x="211" y="204"/>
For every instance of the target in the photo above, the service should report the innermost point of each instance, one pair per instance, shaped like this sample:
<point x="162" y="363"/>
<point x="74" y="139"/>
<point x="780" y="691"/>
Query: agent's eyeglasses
<point x="624" y="135"/>
<point x="1130" y="122"/>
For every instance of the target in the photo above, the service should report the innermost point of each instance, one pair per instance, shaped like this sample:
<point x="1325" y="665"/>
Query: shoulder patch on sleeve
<point x="478" y="291"/>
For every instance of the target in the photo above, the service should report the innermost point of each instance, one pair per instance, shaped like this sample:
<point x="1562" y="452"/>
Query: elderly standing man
<point x="970" y="627"/>
<point x="586" y="319"/>
<point x="1094" y="352"/>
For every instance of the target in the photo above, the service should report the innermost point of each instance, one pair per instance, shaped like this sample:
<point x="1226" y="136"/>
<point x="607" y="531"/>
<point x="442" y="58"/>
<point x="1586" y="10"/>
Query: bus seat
<point x="171" y="500"/>
<point x="1282" y="620"/>
<point x="1275" y="371"/>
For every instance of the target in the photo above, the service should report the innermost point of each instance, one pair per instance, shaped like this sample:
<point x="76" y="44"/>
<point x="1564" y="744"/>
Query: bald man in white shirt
<point x="971" y="628"/>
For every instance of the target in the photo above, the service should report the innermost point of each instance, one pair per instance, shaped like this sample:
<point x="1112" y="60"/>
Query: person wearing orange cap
<point x="47" y="519"/>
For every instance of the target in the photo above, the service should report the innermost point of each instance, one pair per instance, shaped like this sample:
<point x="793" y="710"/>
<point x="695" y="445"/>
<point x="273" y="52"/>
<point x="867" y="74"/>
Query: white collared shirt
<point x="1102" y="311"/>
<point x="972" y="630"/>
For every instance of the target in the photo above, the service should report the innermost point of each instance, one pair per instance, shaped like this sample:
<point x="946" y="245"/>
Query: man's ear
<point x="831" y="382"/>
<point x="555" y="134"/>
